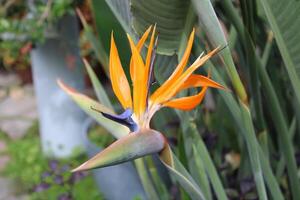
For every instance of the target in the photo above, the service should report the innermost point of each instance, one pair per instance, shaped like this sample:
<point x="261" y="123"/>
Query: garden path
<point x="17" y="113"/>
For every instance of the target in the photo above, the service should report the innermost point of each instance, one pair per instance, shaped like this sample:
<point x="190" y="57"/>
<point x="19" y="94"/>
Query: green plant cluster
<point x="242" y="144"/>
<point x="18" y="19"/>
<point x="43" y="178"/>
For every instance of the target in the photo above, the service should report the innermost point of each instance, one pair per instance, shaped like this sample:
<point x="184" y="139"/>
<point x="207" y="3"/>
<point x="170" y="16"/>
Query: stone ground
<point x="17" y="113"/>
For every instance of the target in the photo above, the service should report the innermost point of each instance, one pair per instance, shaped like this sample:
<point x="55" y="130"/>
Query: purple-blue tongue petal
<point x="124" y="119"/>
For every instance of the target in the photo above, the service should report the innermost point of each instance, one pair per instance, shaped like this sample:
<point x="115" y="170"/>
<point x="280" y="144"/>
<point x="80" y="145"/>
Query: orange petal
<point x="118" y="78"/>
<point x="187" y="103"/>
<point x="141" y="42"/>
<point x="149" y="53"/>
<point x="179" y="69"/>
<point x="169" y="92"/>
<point x="196" y="80"/>
<point x="139" y="86"/>
<point x="139" y="46"/>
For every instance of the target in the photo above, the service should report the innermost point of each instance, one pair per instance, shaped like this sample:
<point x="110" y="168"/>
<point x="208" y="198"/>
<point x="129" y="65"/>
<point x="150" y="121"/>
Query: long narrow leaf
<point x="209" y="22"/>
<point x="98" y="88"/>
<point x="284" y="20"/>
<point x="253" y="152"/>
<point x="86" y="104"/>
<point x="235" y="111"/>
<point x="180" y="174"/>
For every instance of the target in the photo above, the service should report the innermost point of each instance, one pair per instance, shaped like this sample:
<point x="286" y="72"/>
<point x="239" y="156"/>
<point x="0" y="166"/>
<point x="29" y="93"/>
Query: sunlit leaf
<point x="98" y="88"/>
<point x="179" y="173"/>
<point x="86" y="104"/>
<point x="130" y="147"/>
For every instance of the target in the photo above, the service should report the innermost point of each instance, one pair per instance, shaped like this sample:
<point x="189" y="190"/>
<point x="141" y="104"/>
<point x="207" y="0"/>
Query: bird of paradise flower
<point x="141" y="105"/>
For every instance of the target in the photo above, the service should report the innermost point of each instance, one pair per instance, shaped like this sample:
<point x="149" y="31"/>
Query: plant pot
<point x="58" y="57"/>
<point x="115" y="182"/>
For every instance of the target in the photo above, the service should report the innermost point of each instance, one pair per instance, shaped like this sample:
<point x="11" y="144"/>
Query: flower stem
<point x="145" y="179"/>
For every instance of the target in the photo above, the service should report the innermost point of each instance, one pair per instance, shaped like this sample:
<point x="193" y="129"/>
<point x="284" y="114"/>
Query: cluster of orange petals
<point x="164" y="96"/>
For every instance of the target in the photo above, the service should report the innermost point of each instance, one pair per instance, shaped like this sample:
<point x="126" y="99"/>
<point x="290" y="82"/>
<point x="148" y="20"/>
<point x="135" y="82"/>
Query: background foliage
<point x="242" y="144"/>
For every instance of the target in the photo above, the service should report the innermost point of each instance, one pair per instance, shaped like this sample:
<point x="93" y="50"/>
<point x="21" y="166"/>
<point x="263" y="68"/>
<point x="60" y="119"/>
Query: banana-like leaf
<point x="121" y="10"/>
<point x="180" y="174"/>
<point x="284" y="20"/>
<point x="86" y="104"/>
<point x="174" y="20"/>
<point x="106" y="21"/>
<point x="130" y="147"/>
<point x="164" y="65"/>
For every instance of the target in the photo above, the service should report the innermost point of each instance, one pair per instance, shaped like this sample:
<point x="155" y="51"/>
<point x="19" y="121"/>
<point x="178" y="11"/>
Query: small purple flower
<point x="53" y="164"/>
<point x="58" y="179"/>
<point x="65" y="168"/>
<point x="41" y="187"/>
<point x="45" y="175"/>
<point x="65" y="197"/>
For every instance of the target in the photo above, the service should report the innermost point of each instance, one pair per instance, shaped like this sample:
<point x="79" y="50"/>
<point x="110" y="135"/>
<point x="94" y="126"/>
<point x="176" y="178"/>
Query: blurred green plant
<point x="19" y="18"/>
<point x="42" y="178"/>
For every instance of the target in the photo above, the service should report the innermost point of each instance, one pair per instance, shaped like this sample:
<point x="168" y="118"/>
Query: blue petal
<point x="124" y="119"/>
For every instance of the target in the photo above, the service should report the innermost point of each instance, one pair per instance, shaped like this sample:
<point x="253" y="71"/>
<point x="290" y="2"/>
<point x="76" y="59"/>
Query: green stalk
<point x="157" y="180"/>
<point x="254" y="82"/>
<point x="267" y="49"/>
<point x="273" y="105"/>
<point x="281" y="163"/>
<point x="145" y="179"/>
<point x="269" y="176"/>
<point x="282" y="130"/>
<point x="190" y="139"/>
<point x="249" y="135"/>
<point x="247" y="10"/>
<point x="236" y="113"/>
<point x="209" y="165"/>
<point x="232" y="37"/>
<point x="209" y="22"/>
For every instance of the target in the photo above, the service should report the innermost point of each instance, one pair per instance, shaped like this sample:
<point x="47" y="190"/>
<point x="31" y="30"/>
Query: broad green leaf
<point x="86" y="104"/>
<point x="210" y="24"/>
<point x="174" y="20"/>
<point x="130" y="147"/>
<point x="98" y="88"/>
<point x="121" y="10"/>
<point x="284" y="20"/>
<point x="164" y="66"/>
<point x="108" y="19"/>
<point x="180" y="174"/>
